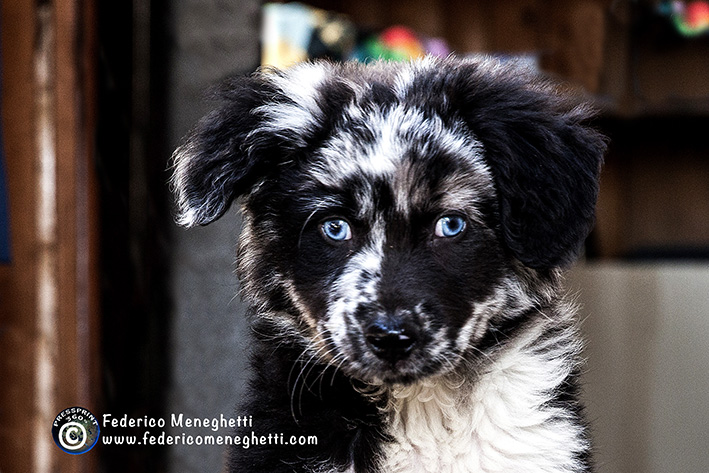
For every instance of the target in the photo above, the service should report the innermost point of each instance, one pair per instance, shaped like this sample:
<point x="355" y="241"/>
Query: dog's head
<point x="395" y="215"/>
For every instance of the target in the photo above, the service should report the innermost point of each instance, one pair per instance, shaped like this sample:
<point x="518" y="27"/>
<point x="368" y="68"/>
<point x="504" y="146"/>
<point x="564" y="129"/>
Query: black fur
<point x="324" y="405"/>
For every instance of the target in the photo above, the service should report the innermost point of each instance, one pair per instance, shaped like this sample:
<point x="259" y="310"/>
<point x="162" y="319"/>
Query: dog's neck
<point x="503" y="419"/>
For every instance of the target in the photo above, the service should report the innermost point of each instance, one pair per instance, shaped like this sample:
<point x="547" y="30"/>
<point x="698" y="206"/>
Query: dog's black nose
<point x="390" y="342"/>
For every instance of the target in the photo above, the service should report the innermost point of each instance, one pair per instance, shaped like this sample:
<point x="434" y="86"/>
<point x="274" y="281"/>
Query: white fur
<point x="187" y="214"/>
<point x="408" y="73"/>
<point x="345" y="297"/>
<point x="497" y="305"/>
<point x="396" y="130"/>
<point x="497" y="422"/>
<point x="301" y="84"/>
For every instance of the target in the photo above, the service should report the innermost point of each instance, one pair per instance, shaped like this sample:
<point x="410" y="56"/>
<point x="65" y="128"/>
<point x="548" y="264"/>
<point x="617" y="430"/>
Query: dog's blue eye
<point x="336" y="229"/>
<point x="449" y="226"/>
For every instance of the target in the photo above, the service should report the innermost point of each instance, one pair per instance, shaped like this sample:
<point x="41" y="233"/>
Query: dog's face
<point x="384" y="239"/>
<point x="395" y="216"/>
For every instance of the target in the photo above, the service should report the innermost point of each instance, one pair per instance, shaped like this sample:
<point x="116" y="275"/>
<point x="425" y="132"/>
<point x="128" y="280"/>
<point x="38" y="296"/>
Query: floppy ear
<point x="545" y="161"/>
<point x="222" y="157"/>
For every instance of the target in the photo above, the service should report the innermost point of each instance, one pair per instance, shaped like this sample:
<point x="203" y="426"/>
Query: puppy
<point x="405" y="228"/>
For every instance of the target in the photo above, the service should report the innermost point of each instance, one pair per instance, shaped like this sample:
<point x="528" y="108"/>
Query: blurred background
<point x="106" y="304"/>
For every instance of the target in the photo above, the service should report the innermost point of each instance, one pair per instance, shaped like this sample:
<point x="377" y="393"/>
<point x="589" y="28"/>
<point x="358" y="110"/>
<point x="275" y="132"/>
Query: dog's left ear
<point x="546" y="163"/>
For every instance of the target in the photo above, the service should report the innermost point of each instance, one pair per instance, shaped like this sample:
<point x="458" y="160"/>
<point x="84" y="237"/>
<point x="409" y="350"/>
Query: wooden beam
<point x="18" y="282"/>
<point x="49" y="315"/>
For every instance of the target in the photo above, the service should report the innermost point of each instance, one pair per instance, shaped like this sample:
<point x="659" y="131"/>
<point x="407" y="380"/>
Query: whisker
<point x="299" y="360"/>
<point x="332" y="380"/>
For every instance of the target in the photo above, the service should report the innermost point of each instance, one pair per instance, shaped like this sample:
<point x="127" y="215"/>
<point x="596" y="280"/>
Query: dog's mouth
<point x="392" y="351"/>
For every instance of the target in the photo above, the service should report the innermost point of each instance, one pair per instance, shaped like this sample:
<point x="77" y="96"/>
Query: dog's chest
<point x="501" y="423"/>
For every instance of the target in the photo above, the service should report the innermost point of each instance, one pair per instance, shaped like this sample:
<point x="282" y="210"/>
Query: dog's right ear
<point x="222" y="158"/>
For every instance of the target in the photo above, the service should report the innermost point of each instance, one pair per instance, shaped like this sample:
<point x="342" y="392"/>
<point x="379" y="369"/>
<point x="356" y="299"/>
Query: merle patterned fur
<point x="402" y="346"/>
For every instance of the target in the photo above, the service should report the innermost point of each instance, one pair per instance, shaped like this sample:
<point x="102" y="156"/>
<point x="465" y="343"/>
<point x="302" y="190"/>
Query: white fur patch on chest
<point x="500" y="423"/>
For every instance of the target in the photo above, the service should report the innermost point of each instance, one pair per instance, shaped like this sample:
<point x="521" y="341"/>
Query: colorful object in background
<point x="696" y="17"/>
<point x="399" y="43"/>
<point x="293" y="32"/>
<point x="691" y="19"/>
<point x="285" y="33"/>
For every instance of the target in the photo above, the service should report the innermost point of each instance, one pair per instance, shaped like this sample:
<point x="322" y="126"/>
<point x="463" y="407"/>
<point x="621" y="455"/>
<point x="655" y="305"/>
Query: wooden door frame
<point x="49" y="304"/>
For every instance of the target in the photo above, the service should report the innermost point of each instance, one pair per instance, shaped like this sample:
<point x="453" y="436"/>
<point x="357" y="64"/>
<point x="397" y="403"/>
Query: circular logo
<point x="75" y="430"/>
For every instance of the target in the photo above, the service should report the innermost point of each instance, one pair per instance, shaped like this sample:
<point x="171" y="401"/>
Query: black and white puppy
<point x="405" y="227"/>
